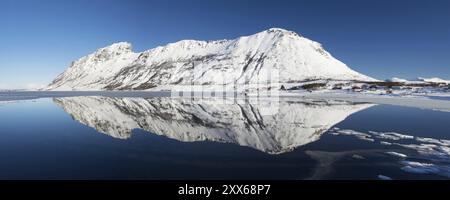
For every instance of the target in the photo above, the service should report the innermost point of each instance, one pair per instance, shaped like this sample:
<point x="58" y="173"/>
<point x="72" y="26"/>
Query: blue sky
<point x="380" y="38"/>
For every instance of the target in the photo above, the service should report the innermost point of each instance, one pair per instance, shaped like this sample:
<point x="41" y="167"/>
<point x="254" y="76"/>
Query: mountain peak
<point x="281" y="31"/>
<point x="119" y="47"/>
<point x="108" y="52"/>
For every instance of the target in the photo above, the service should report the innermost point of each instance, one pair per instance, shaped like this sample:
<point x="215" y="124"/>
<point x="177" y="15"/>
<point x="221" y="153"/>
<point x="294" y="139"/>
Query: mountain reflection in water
<point x="271" y="126"/>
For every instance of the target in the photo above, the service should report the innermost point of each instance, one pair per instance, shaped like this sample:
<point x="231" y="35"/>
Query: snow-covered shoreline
<point x="417" y="101"/>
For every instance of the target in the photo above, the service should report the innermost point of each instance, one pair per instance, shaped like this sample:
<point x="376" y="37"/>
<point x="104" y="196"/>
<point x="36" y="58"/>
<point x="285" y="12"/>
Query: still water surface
<point x="92" y="137"/>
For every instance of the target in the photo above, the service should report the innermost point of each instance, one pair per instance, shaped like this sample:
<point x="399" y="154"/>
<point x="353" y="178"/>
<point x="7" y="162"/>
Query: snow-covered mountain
<point x="271" y="57"/>
<point x="269" y="126"/>
<point x="419" y="80"/>
<point x="433" y="80"/>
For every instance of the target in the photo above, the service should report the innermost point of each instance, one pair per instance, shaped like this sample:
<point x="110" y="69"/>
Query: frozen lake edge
<point x="423" y="102"/>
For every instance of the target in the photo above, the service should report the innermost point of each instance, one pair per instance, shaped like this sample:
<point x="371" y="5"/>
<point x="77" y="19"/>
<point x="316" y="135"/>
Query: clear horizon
<point x="381" y="39"/>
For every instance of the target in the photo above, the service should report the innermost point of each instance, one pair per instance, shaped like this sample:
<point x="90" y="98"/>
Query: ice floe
<point x="425" y="155"/>
<point x="397" y="154"/>
<point x="359" y="135"/>
<point x="385" y="143"/>
<point x="383" y="177"/>
<point x="390" y="135"/>
<point x="425" y="168"/>
<point x="434" y="141"/>
<point x="356" y="156"/>
<point x="430" y="151"/>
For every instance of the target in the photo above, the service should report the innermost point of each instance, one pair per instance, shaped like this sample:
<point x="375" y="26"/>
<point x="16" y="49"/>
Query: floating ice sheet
<point x="425" y="155"/>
